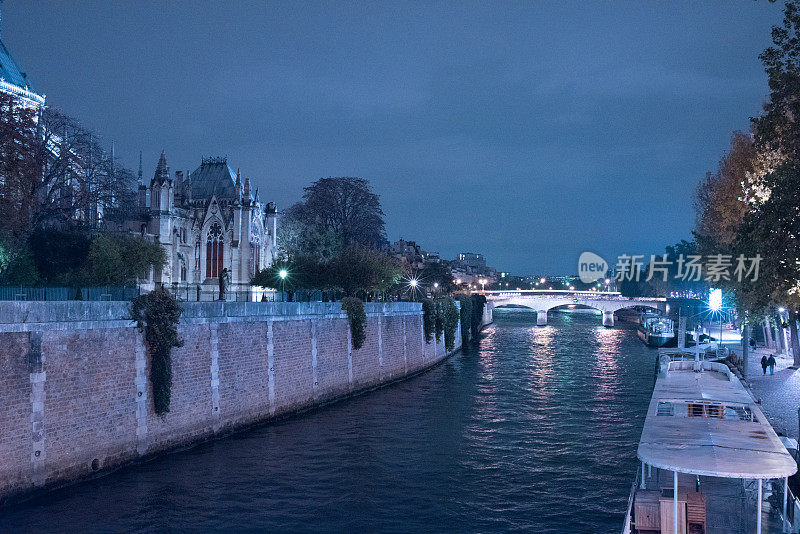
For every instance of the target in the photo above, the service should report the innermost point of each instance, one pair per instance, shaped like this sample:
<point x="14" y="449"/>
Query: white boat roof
<point x="731" y="439"/>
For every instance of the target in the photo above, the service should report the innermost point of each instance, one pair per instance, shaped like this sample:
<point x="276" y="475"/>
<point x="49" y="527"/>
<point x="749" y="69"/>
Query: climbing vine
<point x="478" y="302"/>
<point x="157" y="315"/>
<point x="466" y="317"/>
<point x="450" y="323"/>
<point x="358" y="320"/>
<point x="428" y="319"/>
<point x="438" y="320"/>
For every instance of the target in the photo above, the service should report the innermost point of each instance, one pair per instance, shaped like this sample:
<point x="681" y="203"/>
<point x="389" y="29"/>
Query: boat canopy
<point x="702" y="421"/>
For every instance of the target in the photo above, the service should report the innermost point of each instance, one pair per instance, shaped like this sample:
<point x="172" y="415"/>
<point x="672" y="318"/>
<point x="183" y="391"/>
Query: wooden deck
<point x="730" y="503"/>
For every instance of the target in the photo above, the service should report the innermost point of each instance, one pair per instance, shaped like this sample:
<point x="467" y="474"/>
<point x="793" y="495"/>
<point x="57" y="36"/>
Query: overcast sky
<point x="529" y="131"/>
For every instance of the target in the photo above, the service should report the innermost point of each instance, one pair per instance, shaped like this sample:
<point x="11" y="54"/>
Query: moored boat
<point x="656" y="330"/>
<point x="710" y="460"/>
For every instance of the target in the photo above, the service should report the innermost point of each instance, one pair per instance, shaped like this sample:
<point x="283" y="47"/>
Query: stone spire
<point x="162" y="171"/>
<point x="140" y="162"/>
<point x="238" y="185"/>
<point x="247" y="187"/>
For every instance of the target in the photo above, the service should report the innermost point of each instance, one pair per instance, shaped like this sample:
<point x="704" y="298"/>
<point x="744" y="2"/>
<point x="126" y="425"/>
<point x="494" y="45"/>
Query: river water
<point x="534" y="430"/>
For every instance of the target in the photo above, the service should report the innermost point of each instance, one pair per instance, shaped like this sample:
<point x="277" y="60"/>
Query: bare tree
<point x="54" y="172"/>
<point x="347" y="207"/>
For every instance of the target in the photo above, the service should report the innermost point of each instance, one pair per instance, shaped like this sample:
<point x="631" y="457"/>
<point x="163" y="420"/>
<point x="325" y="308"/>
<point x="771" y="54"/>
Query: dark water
<point x="534" y="431"/>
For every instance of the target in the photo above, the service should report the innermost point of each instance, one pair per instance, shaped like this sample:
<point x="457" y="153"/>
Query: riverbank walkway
<point x="779" y="394"/>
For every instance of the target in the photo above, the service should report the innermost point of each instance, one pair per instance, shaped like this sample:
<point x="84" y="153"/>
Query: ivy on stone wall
<point x="358" y="320"/>
<point x="438" y="320"/>
<point x="157" y="314"/>
<point x="478" y="302"/>
<point x="450" y="323"/>
<point x="466" y="317"/>
<point x="428" y="319"/>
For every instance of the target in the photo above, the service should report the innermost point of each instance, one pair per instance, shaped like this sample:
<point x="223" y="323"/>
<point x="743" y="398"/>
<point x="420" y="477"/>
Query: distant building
<point x="411" y="253"/>
<point x="471" y="268"/>
<point x="471" y="260"/>
<point x="207" y="221"/>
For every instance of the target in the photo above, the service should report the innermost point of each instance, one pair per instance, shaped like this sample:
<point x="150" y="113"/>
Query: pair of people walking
<point x="768" y="362"/>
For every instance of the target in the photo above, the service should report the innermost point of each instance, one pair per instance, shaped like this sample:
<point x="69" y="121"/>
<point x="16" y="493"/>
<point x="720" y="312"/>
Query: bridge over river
<point x="544" y="300"/>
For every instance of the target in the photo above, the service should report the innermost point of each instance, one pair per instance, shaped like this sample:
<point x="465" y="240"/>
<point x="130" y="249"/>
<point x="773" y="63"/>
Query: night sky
<point x="529" y="131"/>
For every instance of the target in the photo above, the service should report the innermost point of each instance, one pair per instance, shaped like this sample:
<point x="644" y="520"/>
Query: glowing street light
<point x="542" y="280"/>
<point x="458" y="281"/>
<point x="483" y="284"/>
<point x="715" y="299"/>
<point x="715" y="303"/>
<point x="283" y="273"/>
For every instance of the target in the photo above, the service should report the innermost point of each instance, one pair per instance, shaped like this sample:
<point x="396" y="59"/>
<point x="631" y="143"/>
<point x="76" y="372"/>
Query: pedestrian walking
<point x="764" y="364"/>
<point x="771" y="364"/>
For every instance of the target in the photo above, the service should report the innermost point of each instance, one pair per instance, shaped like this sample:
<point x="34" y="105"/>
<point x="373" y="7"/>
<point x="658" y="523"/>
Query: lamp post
<point x="283" y="273"/>
<point x="413" y="284"/>
<point x="715" y="304"/>
<point x="483" y="285"/>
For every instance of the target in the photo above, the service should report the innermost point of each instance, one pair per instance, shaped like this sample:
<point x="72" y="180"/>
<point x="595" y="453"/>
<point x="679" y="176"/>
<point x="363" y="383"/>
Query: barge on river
<point x="656" y="330"/>
<point x="710" y="460"/>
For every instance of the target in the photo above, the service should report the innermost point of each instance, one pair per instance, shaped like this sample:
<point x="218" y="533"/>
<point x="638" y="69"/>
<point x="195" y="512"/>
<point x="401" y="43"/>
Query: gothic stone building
<point x="207" y="221"/>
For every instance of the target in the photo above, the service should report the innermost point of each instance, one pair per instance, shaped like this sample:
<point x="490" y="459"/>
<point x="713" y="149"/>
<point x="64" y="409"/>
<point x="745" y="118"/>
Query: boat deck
<point x="730" y="503"/>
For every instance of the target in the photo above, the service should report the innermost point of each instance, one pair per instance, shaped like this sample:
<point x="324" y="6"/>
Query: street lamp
<point x="413" y="285"/>
<point x="715" y="304"/>
<point x="283" y="273"/>
<point x="483" y="285"/>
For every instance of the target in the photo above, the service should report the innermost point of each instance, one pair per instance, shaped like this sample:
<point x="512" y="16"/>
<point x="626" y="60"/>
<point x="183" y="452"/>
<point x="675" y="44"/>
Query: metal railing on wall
<point x="96" y="293"/>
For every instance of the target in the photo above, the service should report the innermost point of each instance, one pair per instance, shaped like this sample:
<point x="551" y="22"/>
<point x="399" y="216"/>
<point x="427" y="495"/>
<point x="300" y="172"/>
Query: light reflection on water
<point x="535" y="430"/>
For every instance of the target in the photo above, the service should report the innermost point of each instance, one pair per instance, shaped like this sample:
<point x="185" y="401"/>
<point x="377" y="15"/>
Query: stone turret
<point x="161" y="191"/>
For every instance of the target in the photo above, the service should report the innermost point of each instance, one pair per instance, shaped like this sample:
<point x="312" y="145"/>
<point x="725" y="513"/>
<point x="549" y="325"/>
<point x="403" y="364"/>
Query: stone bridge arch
<point x="544" y="301"/>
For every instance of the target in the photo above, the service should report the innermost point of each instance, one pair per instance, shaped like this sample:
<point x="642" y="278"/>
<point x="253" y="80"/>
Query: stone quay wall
<point x="75" y="394"/>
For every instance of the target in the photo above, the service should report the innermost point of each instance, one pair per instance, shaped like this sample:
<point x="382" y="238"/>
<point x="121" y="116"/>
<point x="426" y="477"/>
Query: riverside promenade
<point x="778" y="393"/>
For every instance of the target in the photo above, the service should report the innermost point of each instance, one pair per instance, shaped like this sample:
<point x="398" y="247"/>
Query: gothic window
<point x="214" y="251"/>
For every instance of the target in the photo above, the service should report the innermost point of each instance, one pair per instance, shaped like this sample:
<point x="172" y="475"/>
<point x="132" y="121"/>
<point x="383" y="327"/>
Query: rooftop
<point x="10" y="71"/>
<point x="213" y="178"/>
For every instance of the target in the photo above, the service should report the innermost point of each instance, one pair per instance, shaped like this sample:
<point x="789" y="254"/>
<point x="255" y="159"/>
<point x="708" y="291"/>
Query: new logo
<point x="591" y="267"/>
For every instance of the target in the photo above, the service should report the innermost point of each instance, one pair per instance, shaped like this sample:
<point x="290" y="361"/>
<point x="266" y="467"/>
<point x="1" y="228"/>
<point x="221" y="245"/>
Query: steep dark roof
<point x="213" y="178"/>
<point x="10" y="71"/>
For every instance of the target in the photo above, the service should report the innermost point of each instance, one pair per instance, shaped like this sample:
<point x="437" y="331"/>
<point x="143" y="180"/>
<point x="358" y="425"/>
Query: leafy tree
<point x="720" y="204"/>
<point x="439" y="273"/>
<point x="770" y="227"/>
<point x="120" y="260"/>
<point x="358" y="269"/>
<point x="298" y="238"/>
<point x="353" y="271"/>
<point x="16" y="264"/>
<point x="347" y="207"/>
